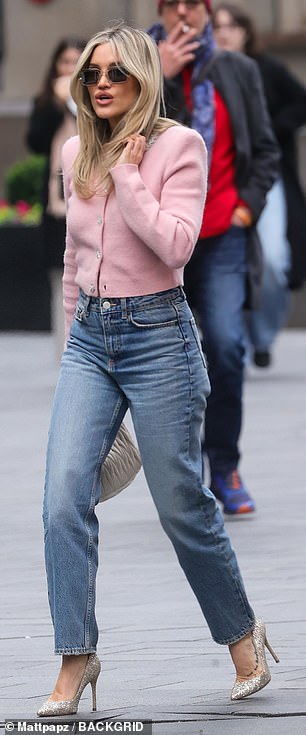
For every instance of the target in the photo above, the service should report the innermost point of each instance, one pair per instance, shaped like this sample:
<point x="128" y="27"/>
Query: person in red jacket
<point x="220" y="95"/>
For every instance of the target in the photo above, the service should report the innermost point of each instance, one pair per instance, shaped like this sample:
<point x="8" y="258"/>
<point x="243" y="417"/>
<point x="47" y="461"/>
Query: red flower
<point x="22" y="207"/>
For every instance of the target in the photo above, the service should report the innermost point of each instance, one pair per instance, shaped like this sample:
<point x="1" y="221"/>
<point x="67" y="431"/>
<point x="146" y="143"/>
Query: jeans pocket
<point x="158" y="318"/>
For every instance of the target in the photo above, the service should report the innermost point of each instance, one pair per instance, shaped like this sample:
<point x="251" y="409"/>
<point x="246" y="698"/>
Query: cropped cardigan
<point x="136" y="239"/>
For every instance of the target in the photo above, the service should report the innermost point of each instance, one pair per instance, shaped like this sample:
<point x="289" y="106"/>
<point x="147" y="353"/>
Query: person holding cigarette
<point x="219" y="94"/>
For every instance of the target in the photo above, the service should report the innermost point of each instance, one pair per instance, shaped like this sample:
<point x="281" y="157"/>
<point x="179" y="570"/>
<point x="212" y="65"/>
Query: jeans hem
<point x="80" y="651"/>
<point x="237" y="638"/>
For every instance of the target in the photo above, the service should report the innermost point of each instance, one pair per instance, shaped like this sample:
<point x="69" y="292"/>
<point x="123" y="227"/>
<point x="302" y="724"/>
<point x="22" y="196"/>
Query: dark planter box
<point x="24" y="284"/>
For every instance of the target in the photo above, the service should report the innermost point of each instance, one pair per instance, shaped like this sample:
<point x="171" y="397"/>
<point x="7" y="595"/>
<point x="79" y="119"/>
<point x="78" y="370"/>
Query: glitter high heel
<point x="70" y="706"/>
<point x="242" y="689"/>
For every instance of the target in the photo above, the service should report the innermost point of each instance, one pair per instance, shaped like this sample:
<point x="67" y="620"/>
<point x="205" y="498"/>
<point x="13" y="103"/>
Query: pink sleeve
<point x="170" y="226"/>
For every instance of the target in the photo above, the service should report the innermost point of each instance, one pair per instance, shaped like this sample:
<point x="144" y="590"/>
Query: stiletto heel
<point x="270" y="649"/>
<point x="70" y="706"/>
<point x="94" y="695"/>
<point x="242" y="689"/>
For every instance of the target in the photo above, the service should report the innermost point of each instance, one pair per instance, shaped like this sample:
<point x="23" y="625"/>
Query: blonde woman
<point x="135" y="186"/>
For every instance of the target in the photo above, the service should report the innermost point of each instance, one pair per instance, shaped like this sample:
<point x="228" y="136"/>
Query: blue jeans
<point x="215" y="282"/>
<point x="141" y="353"/>
<point x="265" y="323"/>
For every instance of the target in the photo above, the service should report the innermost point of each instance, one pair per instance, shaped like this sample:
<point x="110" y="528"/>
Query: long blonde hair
<point x="100" y="147"/>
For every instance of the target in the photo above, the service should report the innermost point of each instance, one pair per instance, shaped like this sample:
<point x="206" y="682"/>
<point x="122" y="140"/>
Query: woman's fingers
<point x="134" y="150"/>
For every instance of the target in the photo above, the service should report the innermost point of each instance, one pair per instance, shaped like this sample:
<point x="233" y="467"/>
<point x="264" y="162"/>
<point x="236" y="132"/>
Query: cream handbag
<point x="120" y="466"/>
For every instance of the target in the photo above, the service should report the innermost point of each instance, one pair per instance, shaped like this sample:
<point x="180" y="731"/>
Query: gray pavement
<point x="158" y="660"/>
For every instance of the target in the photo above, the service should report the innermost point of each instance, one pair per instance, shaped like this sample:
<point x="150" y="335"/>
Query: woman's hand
<point x="134" y="150"/>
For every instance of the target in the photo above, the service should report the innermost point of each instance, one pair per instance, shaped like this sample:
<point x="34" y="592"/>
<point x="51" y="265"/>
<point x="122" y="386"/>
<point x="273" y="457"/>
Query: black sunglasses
<point x="114" y="75"/>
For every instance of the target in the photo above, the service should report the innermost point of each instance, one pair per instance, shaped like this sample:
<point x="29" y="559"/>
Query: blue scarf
<point x="203" y="114"/>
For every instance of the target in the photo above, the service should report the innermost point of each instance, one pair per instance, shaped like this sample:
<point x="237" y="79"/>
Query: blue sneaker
<point x="231" y="491"/>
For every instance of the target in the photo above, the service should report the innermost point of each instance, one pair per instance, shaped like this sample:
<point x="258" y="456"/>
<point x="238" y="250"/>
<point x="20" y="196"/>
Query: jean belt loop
<point x="124" y="308"/>
<point x="86" y="300"/>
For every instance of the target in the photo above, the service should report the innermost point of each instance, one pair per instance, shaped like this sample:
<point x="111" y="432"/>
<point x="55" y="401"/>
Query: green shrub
<point x="24" y="180"/>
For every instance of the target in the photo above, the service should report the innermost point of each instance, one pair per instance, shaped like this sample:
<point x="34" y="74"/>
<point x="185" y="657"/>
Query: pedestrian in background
<point x="52" y="121"/>
<point x="282" y="224"/>
<point x="220" y="95"/>
<point x="135" y="186"/>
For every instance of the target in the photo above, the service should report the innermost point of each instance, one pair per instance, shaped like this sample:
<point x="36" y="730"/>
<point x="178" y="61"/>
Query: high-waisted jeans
<point x="141" y="353"/>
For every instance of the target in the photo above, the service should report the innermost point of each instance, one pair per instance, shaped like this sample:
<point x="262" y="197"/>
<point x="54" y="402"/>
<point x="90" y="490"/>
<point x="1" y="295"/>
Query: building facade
<point x="31" y="28"/>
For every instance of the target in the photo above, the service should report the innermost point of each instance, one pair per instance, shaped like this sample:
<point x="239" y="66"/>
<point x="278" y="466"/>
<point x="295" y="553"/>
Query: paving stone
<point x="159" y="662"/>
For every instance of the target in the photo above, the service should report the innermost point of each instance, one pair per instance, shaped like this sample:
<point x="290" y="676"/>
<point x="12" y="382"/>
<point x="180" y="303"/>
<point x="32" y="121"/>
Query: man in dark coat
<point x="220" y="95"/>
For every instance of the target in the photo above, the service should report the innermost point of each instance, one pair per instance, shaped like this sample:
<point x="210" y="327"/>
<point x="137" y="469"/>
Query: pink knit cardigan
<point x="137" y="239"/>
